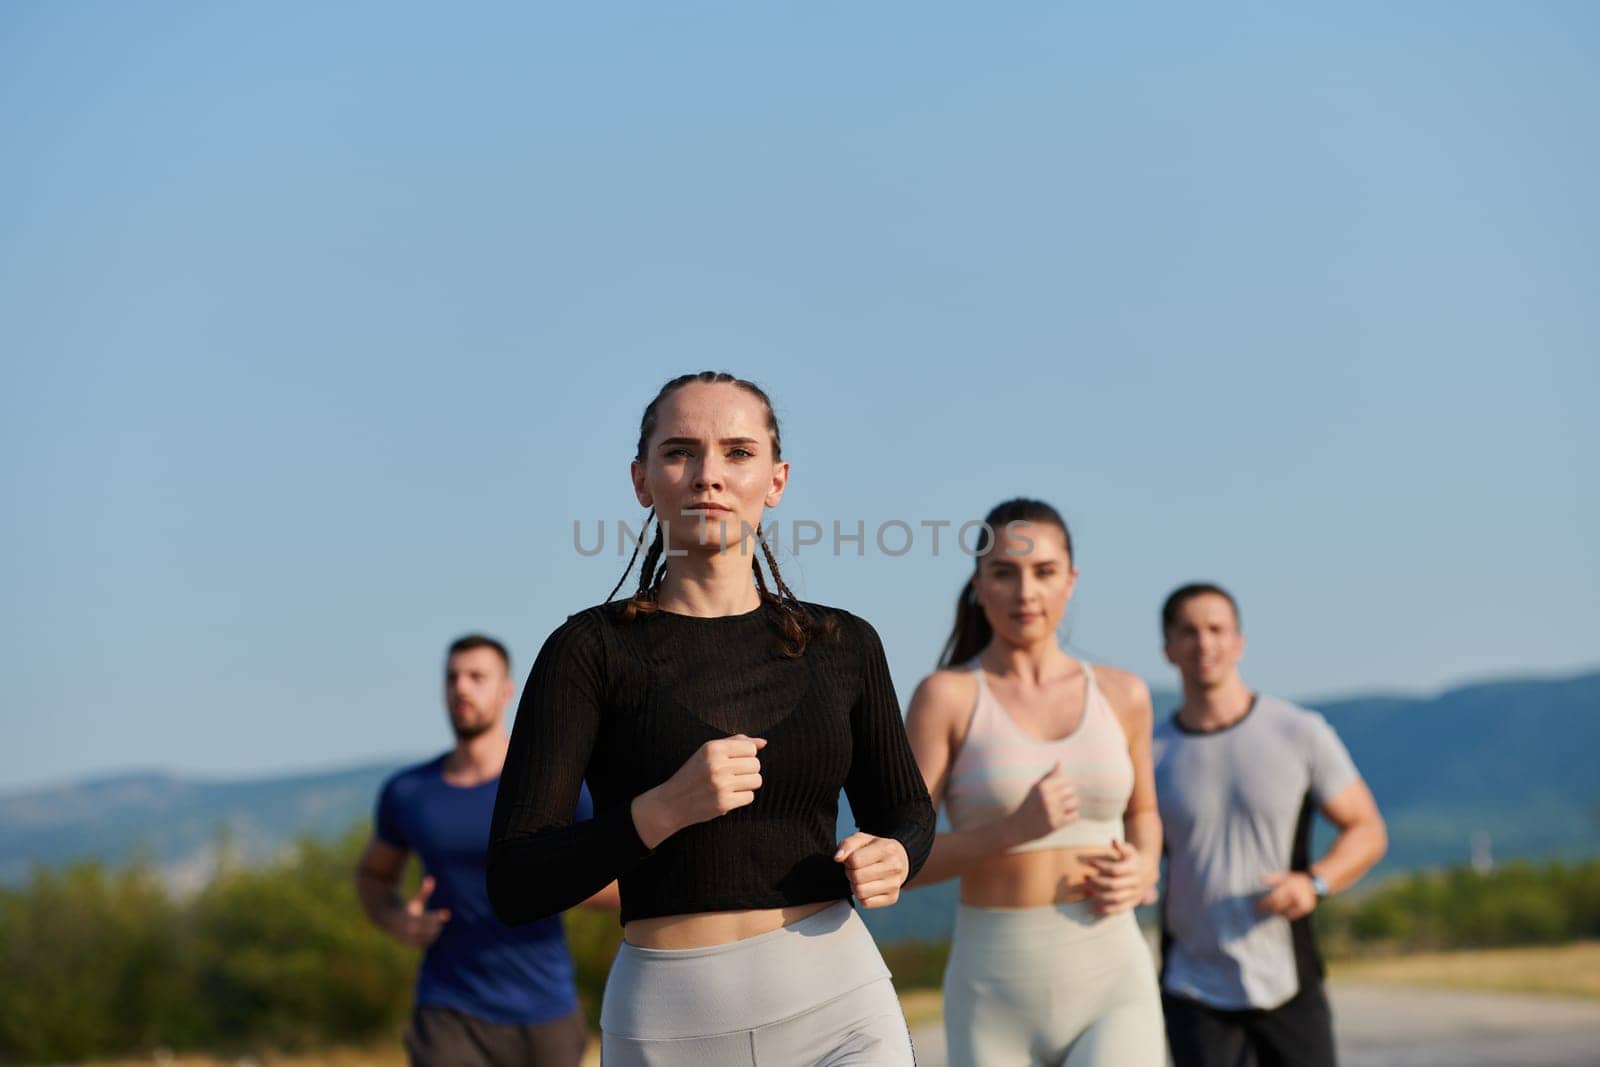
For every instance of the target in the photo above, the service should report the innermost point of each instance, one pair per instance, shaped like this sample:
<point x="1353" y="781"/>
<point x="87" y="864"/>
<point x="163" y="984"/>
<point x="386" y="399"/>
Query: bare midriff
<point x="714" y="927"/>
<point x="1030" y="879"/>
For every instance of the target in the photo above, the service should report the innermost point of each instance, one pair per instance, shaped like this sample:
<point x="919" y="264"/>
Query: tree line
<point x="100" y="961"/>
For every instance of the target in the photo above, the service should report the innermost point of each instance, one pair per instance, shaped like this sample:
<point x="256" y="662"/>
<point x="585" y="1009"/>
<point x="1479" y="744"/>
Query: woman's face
<point x="709" y="469"/>
<point x="1024" y="585"/>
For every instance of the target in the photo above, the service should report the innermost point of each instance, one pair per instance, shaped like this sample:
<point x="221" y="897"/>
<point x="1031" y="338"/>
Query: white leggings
<point x="812" y="992"/>
<point x="1056" y="985"/>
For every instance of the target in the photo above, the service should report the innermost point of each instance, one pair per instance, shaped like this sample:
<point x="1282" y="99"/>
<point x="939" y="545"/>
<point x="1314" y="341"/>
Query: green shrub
<point x="1519" y="904"/>
<point x="917" y="964"/>
<point x="593" y="937"/>
<point x="92" y="962"/>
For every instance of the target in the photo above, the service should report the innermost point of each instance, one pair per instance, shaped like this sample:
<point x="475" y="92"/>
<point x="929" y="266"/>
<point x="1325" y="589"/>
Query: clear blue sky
<point x="318" y="328"/>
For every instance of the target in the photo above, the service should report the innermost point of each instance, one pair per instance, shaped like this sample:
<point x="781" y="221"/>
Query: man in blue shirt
<point x="487" y="994"/>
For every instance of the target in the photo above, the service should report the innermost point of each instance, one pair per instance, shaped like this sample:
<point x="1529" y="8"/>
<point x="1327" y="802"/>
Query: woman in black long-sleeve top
<point x="715" y="718"/>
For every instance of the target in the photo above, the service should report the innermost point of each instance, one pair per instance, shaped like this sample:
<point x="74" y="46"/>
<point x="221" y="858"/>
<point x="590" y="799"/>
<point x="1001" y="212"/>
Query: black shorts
<point x="1299" y="1032"/>
<point x="444" y="1037"/>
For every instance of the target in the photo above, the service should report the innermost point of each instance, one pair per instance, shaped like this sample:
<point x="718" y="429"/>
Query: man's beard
<point x="467" y="731"/>
<point x="472" y="730"/>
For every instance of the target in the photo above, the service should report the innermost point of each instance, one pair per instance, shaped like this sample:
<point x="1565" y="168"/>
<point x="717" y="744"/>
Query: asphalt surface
<point x="1398" y="1026"/>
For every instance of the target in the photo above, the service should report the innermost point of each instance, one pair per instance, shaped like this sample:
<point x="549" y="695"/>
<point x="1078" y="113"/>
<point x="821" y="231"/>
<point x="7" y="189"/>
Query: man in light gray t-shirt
<point x="1239" y="777"/>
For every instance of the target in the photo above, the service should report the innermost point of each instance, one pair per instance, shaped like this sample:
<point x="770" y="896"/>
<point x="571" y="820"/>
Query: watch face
<point x="1319" y="885"/>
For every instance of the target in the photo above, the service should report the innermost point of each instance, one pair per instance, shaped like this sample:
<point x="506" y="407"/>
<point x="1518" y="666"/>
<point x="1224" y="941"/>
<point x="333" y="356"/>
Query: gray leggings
<point x="812" y="992"/>
<point x="1053" y="985"/>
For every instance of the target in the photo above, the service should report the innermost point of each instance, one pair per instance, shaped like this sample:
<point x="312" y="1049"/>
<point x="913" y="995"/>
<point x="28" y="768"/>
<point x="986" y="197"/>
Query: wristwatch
<point x="1319" y="884"/>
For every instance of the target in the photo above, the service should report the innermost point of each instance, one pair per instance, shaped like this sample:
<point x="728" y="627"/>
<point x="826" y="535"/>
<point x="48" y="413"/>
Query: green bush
<point x="593" y="937"/>
<point x="917" y="964"/>
<point x="285" y="957"/>
<point x="1519" y="904"/>
<point x="92" y="962"/>
<point x="96" y="963"/>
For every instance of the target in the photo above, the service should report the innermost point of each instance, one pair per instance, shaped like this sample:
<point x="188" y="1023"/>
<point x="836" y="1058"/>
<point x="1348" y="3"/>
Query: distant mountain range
<point x="1513" y="762"/>
<point x="177" y="822"/>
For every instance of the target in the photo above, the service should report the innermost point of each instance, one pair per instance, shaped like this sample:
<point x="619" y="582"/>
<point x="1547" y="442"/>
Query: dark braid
<point x="783" y="589"/>
<point x="650" y="575"/>
<point x="797" y="624"/>
<point x="647" y="517"/>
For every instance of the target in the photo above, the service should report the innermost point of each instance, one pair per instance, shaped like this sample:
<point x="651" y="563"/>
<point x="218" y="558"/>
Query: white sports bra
<point x="998" y="764"/>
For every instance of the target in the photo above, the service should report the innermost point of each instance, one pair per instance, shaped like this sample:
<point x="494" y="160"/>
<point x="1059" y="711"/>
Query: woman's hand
<point x="1119" y="880"/>
<point x="1051" y="804"/>
<point x="876" y="866"/>
<point x="720" y="776"/>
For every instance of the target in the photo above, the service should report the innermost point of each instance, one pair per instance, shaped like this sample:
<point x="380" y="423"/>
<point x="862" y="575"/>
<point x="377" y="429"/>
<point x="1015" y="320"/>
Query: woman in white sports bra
<point x="1042" y="763"/>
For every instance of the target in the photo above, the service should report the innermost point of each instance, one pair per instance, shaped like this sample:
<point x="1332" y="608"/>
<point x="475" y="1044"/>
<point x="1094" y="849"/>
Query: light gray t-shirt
<point x="1237" y="803"/>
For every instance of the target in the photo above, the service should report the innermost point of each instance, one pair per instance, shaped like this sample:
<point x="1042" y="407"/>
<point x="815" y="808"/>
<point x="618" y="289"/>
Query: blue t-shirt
<point x="478" y="965"/>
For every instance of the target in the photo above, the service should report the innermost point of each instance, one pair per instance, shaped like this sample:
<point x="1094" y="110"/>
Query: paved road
<point x="1390" y="1025"/>
<point x="1396" y="1026"/>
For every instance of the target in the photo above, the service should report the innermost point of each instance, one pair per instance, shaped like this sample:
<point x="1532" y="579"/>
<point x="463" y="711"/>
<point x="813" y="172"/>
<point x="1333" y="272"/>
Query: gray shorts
<point x="444" y="1037"/>
<point x="812" y="992"/>
<point x="1058" y="984"/>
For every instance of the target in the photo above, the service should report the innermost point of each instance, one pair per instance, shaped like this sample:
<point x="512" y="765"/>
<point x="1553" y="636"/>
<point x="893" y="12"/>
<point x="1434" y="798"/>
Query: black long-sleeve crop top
<point x="622" y="704"/>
